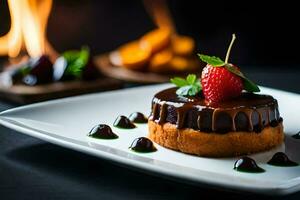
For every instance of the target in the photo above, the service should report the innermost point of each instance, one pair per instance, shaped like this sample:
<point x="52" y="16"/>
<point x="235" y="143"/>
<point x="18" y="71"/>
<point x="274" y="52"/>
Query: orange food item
<point x="179" y="64"/>
<point x="159" y="62"/>
<point x="132" y="55"/>
<point x="157" y="39"/>
<point x="159" y="51"/>
<point x="182" y="45"/>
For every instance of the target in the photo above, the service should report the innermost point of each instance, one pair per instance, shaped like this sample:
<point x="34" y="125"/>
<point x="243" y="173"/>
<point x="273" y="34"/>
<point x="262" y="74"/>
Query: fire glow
<point x="27" y="29"/>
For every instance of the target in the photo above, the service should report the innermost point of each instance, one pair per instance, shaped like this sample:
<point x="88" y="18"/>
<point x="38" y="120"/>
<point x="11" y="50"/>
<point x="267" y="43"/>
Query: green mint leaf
<point x="184" y="91"/>
<point x="234" y="70"/>
<point x="212" y="60"/>
<point x="24" y="70"/>
<point x="248" y="84"/>
<point x="190" y="86"/>
<point x="191" y="78"/>
<point x="179" y="82"/>
<point x="198" y="84"/>
<point x="194" y="90"/>
<point x="76" y="61"/>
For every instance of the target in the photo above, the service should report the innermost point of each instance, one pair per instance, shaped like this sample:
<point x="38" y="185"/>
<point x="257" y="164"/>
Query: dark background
<point x="266" y="47"/>
<point x="267" y="34"/>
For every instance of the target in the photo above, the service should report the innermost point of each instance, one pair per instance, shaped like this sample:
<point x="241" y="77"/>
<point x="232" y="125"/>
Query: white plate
<point x="66" y="122"/>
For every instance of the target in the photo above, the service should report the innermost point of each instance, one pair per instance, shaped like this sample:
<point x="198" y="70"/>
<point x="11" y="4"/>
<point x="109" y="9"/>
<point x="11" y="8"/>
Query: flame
<point x="160" y="14"/>
<point x="28" y="28"/>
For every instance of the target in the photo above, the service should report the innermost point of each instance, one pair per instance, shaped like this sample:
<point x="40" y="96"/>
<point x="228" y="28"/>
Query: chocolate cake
<point x="217" y="115"/>
<point x="246" y="124"/>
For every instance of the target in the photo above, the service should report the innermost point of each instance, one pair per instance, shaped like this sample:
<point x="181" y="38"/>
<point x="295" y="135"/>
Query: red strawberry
<point x="219" y="84"/>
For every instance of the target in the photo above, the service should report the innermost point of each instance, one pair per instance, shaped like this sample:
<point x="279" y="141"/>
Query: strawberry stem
<point x="229" y="48"/>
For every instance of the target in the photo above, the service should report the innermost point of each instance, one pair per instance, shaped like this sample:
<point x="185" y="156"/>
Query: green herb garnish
<point x="218" y="62"/>
<point x="212" y="60"/>
<point x="25" y="70"/>
<point x="248" y="84"/>
<point x="187" y="87"/>
<point x="76" y="61"/>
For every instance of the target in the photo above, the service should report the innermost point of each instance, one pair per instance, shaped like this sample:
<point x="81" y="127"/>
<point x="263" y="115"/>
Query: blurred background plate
<point x="120" y="73"/>
<point x="22" y="94"/>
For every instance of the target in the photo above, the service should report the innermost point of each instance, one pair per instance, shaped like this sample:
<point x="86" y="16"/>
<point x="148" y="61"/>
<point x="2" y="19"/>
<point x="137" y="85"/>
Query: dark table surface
<point x="34" y="169"/>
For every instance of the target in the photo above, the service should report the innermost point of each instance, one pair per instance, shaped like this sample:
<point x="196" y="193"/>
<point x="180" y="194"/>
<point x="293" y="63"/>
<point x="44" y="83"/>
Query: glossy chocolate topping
<point x="249" y="112"/>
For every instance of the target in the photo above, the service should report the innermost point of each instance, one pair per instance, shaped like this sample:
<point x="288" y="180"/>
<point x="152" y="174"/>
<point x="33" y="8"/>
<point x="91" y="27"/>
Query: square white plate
<point x="66" y="122"/>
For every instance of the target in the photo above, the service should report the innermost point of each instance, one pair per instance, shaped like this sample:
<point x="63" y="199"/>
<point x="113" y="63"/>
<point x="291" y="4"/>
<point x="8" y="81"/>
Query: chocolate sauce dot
<point x="123" y="122"/>
<point x="297" y="135"/>
<point x="143" y="145"/>
<point x="281" y="159"/>
<point x="246" y="164"/>
<point x="138" y="117"/>
<point x="102" y="131"/>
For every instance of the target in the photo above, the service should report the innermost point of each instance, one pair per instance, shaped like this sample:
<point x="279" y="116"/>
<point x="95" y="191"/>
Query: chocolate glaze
<point x="102" y="131"/>
<point x="246" y="164"/>
<point x="123" y="122"/>
<point x="248" y="112"/>
<point x="138" y="117"/>
<point x="142" y="144"/>
<point x="282" y="160"/>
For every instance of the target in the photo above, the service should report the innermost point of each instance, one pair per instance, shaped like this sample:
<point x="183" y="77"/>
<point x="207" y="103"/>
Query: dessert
<point x="71" y="65"/>
<point x="219" y="116"/>
<point x="37" y="70"/>
<point x="75" y="65"/>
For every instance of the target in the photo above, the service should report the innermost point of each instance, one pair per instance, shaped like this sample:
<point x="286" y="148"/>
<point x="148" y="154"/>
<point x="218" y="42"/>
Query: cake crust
<point x="199" y="143"/>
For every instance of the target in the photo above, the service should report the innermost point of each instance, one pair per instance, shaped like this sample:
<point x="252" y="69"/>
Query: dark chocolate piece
<point x="297" y="135"/>
<point x="143" y="145"/>
<point x="102" y="131"/>
<point x="246" y="164"/>
<point x="123" y="122"/>
<point x="281" y="159"/>
<point x="138" y="117"/>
